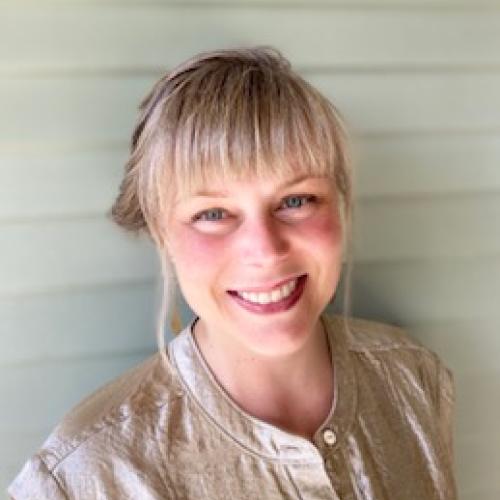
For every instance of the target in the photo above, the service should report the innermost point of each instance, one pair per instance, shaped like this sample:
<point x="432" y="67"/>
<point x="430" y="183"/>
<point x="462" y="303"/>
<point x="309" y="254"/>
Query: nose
<point x="263" y="242"/>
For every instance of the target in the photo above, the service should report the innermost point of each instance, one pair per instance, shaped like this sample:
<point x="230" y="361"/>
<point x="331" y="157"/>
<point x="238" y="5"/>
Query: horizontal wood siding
<point x="89" y="36"/>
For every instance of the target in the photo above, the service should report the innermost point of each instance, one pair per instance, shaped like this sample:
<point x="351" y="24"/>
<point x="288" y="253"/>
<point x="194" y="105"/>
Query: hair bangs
<point x="248" y="123"/>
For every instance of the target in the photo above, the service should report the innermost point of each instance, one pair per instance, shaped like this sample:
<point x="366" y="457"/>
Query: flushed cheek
<point x="322" y="237"/>
<point x="324" y="229"/>
<point x="197" y="254"/>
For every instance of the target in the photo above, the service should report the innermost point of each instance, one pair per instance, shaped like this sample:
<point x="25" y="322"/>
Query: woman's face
<point x="258" y="260"/>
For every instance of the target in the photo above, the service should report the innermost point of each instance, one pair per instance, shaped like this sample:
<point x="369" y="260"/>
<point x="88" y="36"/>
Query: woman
<point x="240" y="174"/>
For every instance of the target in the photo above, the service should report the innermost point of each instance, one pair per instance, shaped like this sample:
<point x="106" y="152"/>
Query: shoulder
<point x="366" y="335"/>
<point x="374" y="344"/>
<point x="104" y="426"/>
<point x="137" y="391"/>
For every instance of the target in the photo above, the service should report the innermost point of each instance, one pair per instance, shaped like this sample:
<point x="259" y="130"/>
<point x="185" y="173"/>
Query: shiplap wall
<point x="419" y="82"/>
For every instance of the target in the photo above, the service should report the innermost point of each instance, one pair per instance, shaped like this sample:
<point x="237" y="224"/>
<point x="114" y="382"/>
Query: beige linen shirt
<point x="171" y="432"/>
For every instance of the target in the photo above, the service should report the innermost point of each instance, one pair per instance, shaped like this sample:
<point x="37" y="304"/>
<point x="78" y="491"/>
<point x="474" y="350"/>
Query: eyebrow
<point x="223" y="194"/>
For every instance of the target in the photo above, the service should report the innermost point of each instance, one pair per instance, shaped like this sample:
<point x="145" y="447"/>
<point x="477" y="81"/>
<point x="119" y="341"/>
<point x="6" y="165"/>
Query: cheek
<point x="197" y="254"/>
<point x="324" y="241"/>
<point x="324" y="231"/>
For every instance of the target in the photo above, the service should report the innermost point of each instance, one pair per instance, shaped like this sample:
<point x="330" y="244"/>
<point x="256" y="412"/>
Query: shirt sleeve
<point x="35" y="481"/>
<point x="446" y="406"/>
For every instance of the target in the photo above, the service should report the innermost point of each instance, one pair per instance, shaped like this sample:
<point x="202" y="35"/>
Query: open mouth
<point x="278" y="299"/>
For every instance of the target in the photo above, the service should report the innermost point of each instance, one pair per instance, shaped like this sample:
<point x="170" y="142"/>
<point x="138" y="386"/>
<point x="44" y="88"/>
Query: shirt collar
<point x="253" y="434"/>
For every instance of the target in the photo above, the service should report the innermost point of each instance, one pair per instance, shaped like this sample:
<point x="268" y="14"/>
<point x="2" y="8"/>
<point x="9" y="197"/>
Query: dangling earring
<point x="169" y="272"/>
<point x="175" y="319"/>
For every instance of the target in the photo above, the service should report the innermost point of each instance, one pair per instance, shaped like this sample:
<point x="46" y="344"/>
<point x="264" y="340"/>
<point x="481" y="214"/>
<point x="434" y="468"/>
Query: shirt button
<point x="329" y="437"/>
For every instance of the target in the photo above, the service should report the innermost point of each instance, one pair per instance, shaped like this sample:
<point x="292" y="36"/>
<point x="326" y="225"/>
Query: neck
<point x="293" y="392"/>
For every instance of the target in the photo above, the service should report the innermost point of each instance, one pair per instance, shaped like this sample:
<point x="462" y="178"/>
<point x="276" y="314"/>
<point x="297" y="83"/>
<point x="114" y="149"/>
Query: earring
<point x="175" y="320"/>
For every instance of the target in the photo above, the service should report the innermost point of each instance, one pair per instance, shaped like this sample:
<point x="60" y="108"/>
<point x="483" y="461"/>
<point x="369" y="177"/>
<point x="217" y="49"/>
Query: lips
<point x="273" y="300"/>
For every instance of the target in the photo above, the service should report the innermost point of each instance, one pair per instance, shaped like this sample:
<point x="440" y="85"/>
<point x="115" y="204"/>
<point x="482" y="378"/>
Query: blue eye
<point x="297" y="201"/>
<point x="213" y="214"/>
<point x="294" y="202"/>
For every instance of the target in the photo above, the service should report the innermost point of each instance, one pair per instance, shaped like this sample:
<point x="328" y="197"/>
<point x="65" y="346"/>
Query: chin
<point x="278" y="336"/>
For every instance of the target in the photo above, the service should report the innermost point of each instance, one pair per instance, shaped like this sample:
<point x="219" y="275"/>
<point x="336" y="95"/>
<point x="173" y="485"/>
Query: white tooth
<point x="277" y="295"/>
<point x="274" y="296"/>
<point x="291" y="287"/>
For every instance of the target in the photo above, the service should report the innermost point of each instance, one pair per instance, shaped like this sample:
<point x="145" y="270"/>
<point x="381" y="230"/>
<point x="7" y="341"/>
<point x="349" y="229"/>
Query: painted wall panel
<point x="88" y="322"/>
<point x="50" y="255"/>
<point x="90" y="36"/>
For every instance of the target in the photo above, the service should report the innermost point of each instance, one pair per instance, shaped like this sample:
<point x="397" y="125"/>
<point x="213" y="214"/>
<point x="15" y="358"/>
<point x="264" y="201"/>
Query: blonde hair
<point x="233" y="113"/>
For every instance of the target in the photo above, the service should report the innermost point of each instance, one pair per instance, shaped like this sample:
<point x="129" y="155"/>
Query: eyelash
<point x="308" y="199"/>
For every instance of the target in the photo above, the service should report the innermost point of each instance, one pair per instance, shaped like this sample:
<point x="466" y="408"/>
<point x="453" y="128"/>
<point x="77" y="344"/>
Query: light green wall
<point x="419" y="83"/>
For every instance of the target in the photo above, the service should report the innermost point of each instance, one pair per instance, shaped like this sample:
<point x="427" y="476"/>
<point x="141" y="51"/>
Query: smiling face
<point x="258" y="260"/>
